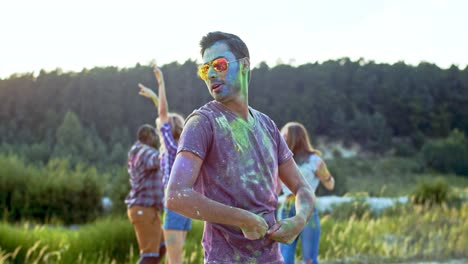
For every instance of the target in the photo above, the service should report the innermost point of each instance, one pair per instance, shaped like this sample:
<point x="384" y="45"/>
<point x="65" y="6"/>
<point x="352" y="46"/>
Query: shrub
<point x="447" y="155"/>
<point x="431" y="192"/>
<point x="404" y="150"/>
<point x="54" y="193"/>
<point x="118" y="189"/>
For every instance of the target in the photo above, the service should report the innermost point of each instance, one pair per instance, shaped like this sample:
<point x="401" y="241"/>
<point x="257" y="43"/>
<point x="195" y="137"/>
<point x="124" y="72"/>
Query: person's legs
<point x="289" y="251"/>
<point x="147" y="225"/>
<point x="311" y="239"/>
<point x="174" y="245"/>
<point x="175" y="230"/>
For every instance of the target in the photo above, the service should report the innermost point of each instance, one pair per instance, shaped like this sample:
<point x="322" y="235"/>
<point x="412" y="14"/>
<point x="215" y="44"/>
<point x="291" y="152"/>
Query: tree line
<point x="92" y="115"/>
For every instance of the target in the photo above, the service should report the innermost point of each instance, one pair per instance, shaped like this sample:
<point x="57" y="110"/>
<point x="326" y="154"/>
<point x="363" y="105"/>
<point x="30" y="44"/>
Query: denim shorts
<point x="175" y="221"/>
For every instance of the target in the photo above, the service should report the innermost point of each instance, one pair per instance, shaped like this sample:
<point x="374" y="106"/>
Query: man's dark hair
<point x="144" y="133"/>
<point x="235" y="44"/>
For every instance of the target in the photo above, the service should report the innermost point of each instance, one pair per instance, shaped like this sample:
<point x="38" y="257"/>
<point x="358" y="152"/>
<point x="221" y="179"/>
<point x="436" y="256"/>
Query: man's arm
<point x="182" y="199"/>
<point x="287" y="229"/>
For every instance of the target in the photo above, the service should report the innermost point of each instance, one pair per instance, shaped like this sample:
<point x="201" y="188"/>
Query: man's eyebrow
<point x="214" y="59"/>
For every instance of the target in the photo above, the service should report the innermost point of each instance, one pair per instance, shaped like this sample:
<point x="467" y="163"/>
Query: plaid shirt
<point x="169" y="155"/>
<point x="145" y="177"/>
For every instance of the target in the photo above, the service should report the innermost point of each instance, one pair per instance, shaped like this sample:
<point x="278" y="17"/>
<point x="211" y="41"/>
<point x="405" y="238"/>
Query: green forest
<point x="92" y="115"/>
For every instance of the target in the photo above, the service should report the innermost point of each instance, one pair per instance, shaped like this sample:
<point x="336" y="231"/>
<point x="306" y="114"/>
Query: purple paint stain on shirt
<point x="240" y="169"/>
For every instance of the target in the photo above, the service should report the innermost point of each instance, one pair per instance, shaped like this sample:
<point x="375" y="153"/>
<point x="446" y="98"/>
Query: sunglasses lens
<point x="203" y="71"/>
<point x="220" y="65"/>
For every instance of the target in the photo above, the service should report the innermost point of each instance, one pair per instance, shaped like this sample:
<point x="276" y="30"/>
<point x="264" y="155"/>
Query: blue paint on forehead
<point x="218" y="49"/>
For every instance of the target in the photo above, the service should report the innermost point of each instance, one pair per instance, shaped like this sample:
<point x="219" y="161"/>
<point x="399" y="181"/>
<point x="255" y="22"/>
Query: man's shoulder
<point x="209" y="107"/>
<point x="206" y="111"/>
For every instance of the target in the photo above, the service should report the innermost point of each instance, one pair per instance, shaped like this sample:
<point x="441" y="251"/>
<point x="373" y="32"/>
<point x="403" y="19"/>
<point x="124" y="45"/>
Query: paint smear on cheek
<point x="243" y="81"/>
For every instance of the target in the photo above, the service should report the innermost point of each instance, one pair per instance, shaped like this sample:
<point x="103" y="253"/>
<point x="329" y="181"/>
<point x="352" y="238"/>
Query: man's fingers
<point x="274" y="228"/>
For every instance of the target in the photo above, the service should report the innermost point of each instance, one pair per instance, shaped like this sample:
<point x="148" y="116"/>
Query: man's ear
<point x="245" y="64"/>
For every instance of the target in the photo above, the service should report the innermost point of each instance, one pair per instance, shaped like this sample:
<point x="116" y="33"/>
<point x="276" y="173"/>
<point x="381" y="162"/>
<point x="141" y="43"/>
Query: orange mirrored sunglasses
<point x="219" y="65"/>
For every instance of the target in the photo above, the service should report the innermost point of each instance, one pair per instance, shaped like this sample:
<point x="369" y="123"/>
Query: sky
<point x="73" y="35"/>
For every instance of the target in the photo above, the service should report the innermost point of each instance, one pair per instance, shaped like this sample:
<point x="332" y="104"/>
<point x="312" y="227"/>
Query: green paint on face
<point x="243" y="80"/>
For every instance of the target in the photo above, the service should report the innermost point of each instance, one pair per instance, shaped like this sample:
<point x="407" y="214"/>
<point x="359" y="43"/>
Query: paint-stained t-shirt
<point x="240" y="169"/>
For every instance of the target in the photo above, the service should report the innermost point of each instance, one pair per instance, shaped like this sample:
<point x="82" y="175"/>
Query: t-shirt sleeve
<point x="284" y="154"/>
<point x="196" y="136"/>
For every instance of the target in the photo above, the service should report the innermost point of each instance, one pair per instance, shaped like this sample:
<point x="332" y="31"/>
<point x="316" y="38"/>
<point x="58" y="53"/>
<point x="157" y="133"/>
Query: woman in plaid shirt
<point x="170" y="127"/>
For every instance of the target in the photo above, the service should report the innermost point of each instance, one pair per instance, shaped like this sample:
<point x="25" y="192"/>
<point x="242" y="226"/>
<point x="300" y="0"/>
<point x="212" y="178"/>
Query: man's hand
<point x="147" y="92"/>
<point x="286" y="230"/>
<point x="255" y="228"/>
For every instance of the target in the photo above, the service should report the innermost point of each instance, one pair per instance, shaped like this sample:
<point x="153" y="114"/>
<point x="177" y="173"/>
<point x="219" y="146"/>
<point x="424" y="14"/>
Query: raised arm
<point x="147" y="92"/>
<point x="163" y="108"/>
<point x="287" y="229"/>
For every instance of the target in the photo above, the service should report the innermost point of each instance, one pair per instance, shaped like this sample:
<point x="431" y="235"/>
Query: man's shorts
<point x="175" y="221"/>
<point x="147" y="224"/>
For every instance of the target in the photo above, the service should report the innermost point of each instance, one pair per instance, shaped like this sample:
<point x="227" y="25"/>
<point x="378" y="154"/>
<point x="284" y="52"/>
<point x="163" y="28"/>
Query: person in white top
<point x="314" y="170"/>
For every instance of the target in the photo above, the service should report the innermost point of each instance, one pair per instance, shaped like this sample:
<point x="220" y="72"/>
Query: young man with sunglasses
<point x="229" y="159"/>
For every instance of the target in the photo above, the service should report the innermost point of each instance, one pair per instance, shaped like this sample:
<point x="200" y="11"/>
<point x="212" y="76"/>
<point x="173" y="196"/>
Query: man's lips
<point x="215" y="86"/>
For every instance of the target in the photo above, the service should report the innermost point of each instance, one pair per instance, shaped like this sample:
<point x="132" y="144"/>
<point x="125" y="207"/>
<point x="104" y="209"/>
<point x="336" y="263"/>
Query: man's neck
<point x="239" y="107"/>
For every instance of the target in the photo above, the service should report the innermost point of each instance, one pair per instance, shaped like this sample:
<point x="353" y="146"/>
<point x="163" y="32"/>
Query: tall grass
<point x="415" y="233"/>
<point x="105" y="241"/>
<point x="418" y="233"/>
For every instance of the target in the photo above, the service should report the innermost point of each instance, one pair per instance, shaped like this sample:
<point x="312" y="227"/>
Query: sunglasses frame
<point x="210" y="64"/>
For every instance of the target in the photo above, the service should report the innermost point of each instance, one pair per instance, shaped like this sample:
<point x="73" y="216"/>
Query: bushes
<point x="447" y="155"/>
<point x="431" y="193"/>
<point x="52" y="193"/>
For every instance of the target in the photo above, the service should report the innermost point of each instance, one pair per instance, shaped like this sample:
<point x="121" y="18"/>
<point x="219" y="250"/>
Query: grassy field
<point x="411" y="233"/>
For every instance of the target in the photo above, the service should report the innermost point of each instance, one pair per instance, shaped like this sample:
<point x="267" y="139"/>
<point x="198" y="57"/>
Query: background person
<point x="175" y="226"/>
<point x="145" y="199"/>
<point x="314" y="169"/>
